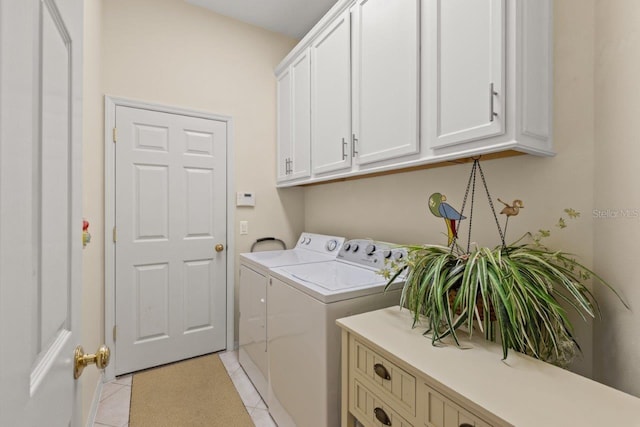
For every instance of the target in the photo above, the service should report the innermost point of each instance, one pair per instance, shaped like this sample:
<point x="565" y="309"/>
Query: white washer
<point x="303" y="339"/>
<point x="254" y="272"/>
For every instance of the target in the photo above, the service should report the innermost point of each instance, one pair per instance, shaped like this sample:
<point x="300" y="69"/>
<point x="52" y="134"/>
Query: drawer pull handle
<point x="382" y="416"/>
<point x="381" y="371"/>
<point x="465" y="425"/>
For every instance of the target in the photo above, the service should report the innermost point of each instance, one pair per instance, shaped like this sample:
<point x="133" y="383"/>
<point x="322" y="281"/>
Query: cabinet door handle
<point x="354" y="141"/>
<point x="290" y="166"/>
<point x="492" y="95"/>
<point x="344" y="149"/>
<point x="465" y="425"/>
<point x="381" y="371"/>
<point x="382" y="416"/>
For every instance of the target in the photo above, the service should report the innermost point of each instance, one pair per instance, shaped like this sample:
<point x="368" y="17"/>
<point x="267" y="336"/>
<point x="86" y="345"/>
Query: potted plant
<point x="520" y="290"/>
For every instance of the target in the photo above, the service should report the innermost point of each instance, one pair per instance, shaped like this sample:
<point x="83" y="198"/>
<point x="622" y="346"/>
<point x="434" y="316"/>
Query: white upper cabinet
<point x="386" y="56"/>
<point x="294" y="120"/>
<point x="467" y="77"/>
<point x="331" y="97"/>
<point x="399" y="84"/>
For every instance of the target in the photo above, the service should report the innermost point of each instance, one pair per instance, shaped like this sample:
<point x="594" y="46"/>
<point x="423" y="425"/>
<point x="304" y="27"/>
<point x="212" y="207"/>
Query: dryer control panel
<point x="369" y="253"/>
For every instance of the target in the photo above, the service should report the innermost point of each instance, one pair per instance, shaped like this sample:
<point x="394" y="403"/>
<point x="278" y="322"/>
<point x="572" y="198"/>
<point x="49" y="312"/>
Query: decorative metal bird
<point x="513" y="209"/>
<point x="440" y="209"/>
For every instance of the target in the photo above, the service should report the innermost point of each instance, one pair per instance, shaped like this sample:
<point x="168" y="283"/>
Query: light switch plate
<point x="244" y="227"/>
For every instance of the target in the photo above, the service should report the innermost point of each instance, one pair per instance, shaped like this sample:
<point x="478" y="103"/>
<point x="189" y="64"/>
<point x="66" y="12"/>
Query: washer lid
<point x="335" y="276"/>
<point x="279" y="258"/>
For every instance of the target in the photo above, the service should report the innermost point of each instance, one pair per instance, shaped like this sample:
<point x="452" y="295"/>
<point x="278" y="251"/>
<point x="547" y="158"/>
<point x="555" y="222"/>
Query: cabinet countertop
<point x="520" y="390"/>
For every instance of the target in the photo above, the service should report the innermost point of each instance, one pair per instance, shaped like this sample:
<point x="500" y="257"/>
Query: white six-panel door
<point x="170" y="214"/>
<point x="40" y="210"/>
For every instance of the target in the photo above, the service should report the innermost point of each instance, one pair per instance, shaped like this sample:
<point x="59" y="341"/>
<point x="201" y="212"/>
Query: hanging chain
<point x="464" y="201"/>
<point x="493" y="210"/>
<point x="473" y="199"/>
<point x="471" y="184"/>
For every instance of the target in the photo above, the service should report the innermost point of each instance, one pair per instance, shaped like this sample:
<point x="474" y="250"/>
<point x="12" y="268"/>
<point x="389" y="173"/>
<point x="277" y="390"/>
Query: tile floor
<point x="113" y="409"/>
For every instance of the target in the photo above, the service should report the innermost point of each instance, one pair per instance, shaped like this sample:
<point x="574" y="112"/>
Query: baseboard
<point x="95" y="402"/>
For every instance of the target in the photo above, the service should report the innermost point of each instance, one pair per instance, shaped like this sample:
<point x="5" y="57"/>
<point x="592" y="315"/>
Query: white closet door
<point x="170" y="215"/>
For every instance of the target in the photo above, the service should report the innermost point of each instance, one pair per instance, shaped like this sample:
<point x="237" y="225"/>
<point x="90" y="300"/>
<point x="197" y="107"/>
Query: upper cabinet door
<point x="284" y="124"/>
<point x="294" y="120"/>
<point x="331" y="95"/>
<point x="386" y="36"/>
<point x="465" y="70"/>
<point x="300" y="164"/>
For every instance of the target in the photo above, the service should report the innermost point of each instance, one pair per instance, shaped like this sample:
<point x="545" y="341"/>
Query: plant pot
<point x="479" y="305"/>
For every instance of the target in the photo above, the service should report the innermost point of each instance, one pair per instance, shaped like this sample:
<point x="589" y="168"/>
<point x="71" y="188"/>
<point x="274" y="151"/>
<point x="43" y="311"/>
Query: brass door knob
<point x="219" y="247"/>
<point x="81" y="360"/>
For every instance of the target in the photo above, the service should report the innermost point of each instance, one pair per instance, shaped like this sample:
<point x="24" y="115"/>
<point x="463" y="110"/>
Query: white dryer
<point x="254" y="272"/>
<point x="303" y="339"/>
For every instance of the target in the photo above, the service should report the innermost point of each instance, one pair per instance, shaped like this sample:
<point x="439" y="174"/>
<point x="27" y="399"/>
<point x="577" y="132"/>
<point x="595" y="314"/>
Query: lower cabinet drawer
<point x="370" y="410"/>
<point x="393" y="383"/>
<point x="442" y="412"/>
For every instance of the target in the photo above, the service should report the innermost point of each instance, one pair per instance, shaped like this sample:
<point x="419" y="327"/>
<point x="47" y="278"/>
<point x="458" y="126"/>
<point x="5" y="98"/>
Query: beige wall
<point x="394" y="208"/>
<point x="172" y="53"/>
<point x="617" y="188"/>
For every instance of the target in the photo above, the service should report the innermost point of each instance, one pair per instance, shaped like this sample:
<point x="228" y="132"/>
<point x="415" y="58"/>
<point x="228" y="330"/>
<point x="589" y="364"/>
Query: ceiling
<point x="293" y="18"/>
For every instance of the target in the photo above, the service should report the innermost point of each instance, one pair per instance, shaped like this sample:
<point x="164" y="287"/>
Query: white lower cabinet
<point x="382" y="391"/>
<point x="392" y="374"/>
<point x="442" y="412"/>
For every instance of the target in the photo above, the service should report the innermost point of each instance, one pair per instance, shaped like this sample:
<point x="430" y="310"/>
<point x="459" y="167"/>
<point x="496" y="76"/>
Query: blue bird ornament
<point x="440" y="209"/>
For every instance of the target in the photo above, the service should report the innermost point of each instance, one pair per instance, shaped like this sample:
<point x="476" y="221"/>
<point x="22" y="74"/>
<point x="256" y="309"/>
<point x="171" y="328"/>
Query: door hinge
<point x="115" y="135"/>
<point x="114" y="235"/>
<point x="115" y="329"/>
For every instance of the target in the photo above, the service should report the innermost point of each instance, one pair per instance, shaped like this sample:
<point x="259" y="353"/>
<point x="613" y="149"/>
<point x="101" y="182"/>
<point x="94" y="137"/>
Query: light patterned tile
<point x="245" y="388"/>
<point x="114" y="410"/>
<point x="261" y="405"/>
<point x="124" y="380"/>
<point x="109" y="389"/>
<point x="261" y="418"/>
<point x="230" y="361"/>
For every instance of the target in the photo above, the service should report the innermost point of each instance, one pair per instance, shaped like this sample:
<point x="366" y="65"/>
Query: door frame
<point x="110" y="104"/>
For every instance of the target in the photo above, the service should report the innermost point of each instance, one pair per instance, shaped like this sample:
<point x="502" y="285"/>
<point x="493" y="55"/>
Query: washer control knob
<point x="332" y="245"/>
<point x="387" y="253"/>
<point x="307" y="241"/>
<point x="355" y="247"/>
<point x="398" y="255"/>
<point x="346" y="247"/>
<point x="371" y="248"/>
